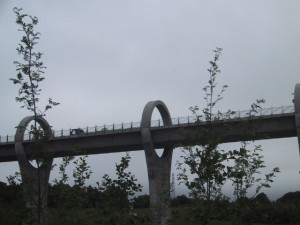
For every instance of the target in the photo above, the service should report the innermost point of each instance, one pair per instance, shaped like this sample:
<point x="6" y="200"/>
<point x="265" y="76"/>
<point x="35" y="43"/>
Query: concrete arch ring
<point x="19" y="139"/>
<point x="146" y="124"/>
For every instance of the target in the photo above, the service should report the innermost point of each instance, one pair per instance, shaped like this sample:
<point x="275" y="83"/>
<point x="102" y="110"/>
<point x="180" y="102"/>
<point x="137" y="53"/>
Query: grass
<point x="180" y="216"/>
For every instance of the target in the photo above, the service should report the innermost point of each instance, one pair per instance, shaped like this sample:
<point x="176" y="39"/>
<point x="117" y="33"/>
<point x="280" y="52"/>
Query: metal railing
<point x="134" y="126"/>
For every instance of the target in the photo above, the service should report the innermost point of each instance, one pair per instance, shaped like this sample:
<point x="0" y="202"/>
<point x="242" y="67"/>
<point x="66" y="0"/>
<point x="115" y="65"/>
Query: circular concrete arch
<point x="19" y="138"/>
<point x="146" y="124"/>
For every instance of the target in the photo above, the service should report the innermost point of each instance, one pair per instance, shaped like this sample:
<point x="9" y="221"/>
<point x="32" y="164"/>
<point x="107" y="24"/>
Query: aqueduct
<point x="284" y="122"/>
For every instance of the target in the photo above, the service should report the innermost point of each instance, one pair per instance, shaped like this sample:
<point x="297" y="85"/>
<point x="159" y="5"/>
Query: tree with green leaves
<point x="12" y="207"/>
<point x="81" y="174"/>
<point x="209" y="166"/>
<point x="246" y="170"/>
<point x="118" y="194"/>
<point x="206" y="160"/>
<point x="28" y="78"/>
<point x="30" y="69"/>
<point x="245" y="174"/>
<point x="68" y="199"/>
<point x="62" y="170"/>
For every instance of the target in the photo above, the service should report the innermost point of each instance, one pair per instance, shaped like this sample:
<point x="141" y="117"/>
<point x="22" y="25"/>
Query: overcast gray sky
<point x="106" y="59"/>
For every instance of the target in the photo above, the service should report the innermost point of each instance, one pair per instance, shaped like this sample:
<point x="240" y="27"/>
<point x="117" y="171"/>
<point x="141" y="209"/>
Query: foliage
<point x="82" y="172"/>
<point x="62" y="170"/>
<point x="260" y="210"/>
<point x="206" y="160"/>
<point x="211" y="166"/>
<point x="290" y="198"/>
<point x="118" y="193"/>
<point x="12" y="204"/>
<point x="141" y="201"/>
<point x="30" y="74"/>
<point x="67" y="198"/>
<point x="110" y="203"/>
<point x="28" y="78"/>
<point x="14" y="180"/>
<point x="245" y="173"/>
<point x="31" y="69"/>
<point x="181" y="200"/>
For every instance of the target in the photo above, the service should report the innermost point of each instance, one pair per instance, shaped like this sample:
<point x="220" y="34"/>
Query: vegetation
<point x="209" y="166"/>
<point x="114" y="201"/>
<point x="31" y="69"/>
<point x="245" y="173"/>
<point x="29" y="76"/>
<point x="205" y="160"/>
<point x="285" y="210"/>
<point x="118" y="194"/>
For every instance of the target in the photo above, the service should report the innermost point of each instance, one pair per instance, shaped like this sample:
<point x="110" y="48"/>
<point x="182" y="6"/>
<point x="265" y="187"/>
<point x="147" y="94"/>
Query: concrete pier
<point x="297" y="110"/>
<point x="35" y="180"/>
<point x="159" y="168"/>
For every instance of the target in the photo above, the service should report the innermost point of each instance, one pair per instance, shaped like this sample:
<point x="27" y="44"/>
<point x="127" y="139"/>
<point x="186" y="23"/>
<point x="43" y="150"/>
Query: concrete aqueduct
<point x="144" y="137"/>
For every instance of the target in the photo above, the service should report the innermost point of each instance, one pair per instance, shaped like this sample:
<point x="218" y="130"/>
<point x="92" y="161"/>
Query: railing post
<point x="188" y="119"/>
<point x="113" y="128"/>
<point x="104" y="129"/>
<point x="95" y="128"/>
<point x="178" y="120"/>
<point x="61" y="133"/>
<point x="159" y="122"/>
<point x="122" y="126"/>
<point x="6" y="138"/>
<point x="131" y="125"/>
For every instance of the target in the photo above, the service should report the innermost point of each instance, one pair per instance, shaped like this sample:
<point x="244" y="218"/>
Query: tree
<point x="205" y="160"/>
<point x="286" y="210"/>
<point x="61" y="193"/>
<point x="30" y="70"/>
<point x="141" y="201"/>
<point x="29" y="76"/>
<point x="211" y="166"/>
<point x="62" y="170"/>
<point x="262" y="198"/>
<point x="118" y="194"/>
<point x="245" y="173"/>
<point x="67" y="199"/>
<point x="11" y="201"/>
<point x="82" y="172"/>
<point x="290" y="198"/>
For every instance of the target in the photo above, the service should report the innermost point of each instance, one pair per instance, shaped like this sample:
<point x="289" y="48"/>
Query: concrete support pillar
<point x="34" y="180"/>
<point x="297" y="110"/>
<point x="159" y="168"/>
